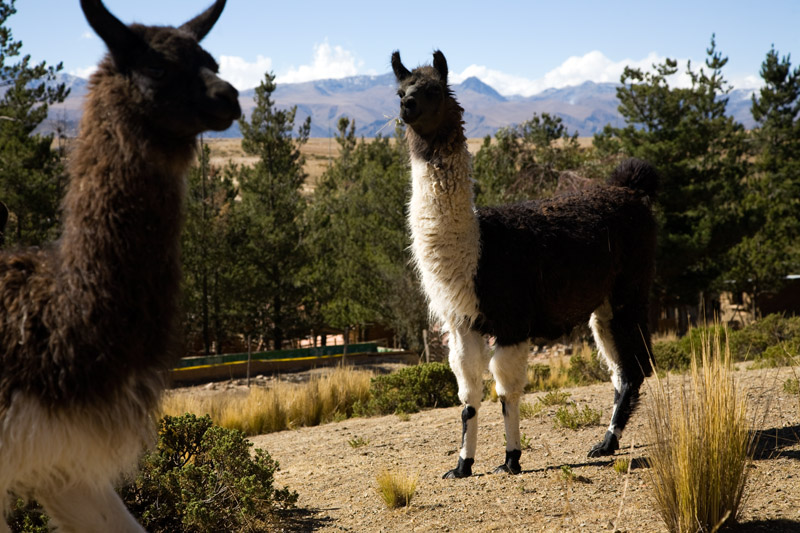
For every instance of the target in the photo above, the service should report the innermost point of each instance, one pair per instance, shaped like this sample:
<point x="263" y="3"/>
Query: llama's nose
<point x="410" y="103"/>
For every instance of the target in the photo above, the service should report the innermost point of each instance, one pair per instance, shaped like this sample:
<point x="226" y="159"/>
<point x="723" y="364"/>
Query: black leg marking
<point x="464" y="468"/>
<point x="511" y="466"/>
<point x="467" y="413"/>
<point x="609" y="445"/>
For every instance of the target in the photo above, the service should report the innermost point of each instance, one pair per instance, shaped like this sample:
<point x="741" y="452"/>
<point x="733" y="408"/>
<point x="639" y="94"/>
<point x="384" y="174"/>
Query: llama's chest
<point x="445" y="241"/>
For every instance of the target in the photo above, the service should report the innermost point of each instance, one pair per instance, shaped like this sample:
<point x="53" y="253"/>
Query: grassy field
<point x="319" y="153"/>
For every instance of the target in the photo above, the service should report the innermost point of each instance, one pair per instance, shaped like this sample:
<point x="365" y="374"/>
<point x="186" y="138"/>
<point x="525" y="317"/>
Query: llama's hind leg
<point x="84" y="509"/>
<point x="624" y="341"/>
<point x="468" y="361"/>
<point x="508" y="365"/>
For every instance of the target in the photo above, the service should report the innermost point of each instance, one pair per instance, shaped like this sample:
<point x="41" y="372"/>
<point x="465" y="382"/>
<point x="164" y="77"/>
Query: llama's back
<point x="564" y="255"/>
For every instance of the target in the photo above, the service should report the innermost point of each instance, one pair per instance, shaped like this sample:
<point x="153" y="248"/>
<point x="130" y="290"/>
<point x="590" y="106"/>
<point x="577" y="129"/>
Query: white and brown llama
<point x="87" y="326"/>
<point x="522" y="271"/>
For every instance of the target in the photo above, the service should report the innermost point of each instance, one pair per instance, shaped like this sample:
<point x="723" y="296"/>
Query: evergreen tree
<point x="360" y="264"/>
<point x="209" y="244"/>
<point x="31" y="180"/>
<point x="699" y="152"/>
<point x="272" y="211"/>
<point x="523" y="162"/>
<point x="770" y="251"/>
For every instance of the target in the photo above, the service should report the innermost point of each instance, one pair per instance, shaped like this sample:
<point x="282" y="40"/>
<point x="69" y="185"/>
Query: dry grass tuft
<point x="702" y="444"/>
<point x="322" y="399"/>
<point x="396" y="488"/>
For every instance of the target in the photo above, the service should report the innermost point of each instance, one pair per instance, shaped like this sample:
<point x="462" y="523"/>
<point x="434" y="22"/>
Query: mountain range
<point x="372" y="102"/>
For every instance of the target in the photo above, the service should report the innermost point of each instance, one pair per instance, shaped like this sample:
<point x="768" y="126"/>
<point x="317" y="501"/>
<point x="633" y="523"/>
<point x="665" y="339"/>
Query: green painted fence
<point x="299" y="354"/>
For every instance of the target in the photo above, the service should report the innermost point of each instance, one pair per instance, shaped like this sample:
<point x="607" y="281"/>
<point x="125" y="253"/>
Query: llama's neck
<point x="444" y="229"/>
<point x="119" y="253"/>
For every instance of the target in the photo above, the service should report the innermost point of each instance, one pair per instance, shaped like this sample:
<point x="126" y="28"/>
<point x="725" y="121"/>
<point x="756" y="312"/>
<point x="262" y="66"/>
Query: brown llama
<point x="87" y="326"/>
<point x="522" y="271"/>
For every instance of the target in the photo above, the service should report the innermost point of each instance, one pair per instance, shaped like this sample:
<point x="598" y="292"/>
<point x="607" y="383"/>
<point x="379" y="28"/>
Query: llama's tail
<point x="637" y="175"/>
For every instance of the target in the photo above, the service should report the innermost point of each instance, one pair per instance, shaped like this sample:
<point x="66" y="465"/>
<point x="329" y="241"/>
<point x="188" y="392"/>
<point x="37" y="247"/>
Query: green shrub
<point x="412" y="388"/>
<point x="538" y="376"/>
<point x="769" y="342"/>
<point x="583" y="371"/>
<point x="27" y="517"/>
<point x="792" y="386"/>
<point x="671" y="355"/>
<point x="753" y="342"/>
<point x="203" y="478"/>
<point x="569" y="416"/>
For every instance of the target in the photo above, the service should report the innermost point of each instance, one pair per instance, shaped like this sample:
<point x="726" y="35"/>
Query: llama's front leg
<point x="468" y="361"/>
<point x="508" y="365"/>
<point x="83" y="509"/>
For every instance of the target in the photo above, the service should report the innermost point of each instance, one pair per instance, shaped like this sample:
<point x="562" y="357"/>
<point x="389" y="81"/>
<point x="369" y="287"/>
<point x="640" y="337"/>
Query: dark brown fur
<point x="97" y="309"/>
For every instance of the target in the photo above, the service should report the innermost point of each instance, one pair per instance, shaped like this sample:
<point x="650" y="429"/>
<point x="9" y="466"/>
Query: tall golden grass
<point x="702" y="443"/>
<point x="282" y="406"/>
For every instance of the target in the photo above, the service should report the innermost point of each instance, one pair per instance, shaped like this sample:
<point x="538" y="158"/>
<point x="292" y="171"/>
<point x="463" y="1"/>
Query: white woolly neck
<point x="445" y="235"/>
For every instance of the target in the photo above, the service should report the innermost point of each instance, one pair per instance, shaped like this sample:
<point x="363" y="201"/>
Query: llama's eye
<point x="433" y="90"/>
<point x="401" y="93"/>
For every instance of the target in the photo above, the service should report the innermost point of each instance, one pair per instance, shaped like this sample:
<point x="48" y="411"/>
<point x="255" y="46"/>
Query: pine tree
<point x="209" y="243"/>
<point x="524" y="161"/>
<point x="770" y="250"/>
<point x="31" y="180"/>
<point x="272" y="211"/>
<point x="699" y="152"/>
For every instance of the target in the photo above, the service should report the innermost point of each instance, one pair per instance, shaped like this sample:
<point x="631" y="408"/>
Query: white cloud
<point x="88" y="35"/>
<point x="242" y="74"/>
<point x="592" y="66"/>
<point x="329" y="62"/>
<point x="83" y="72"/>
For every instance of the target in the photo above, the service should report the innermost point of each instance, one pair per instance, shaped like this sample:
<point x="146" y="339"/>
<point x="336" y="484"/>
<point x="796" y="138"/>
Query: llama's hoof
<point x="511" y="466"/>
<point x="464" y="469"/>
<point x="609" y="445"/>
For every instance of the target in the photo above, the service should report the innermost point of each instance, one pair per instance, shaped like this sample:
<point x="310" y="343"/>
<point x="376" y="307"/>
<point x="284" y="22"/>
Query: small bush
<point x="27" y="517"/>
<point x="769" y="342"/>
<point x="571" y="417"/>
<point x="396" y="489"/>
<point x="203" y="478"/>
<point x="587" y="370"/>
<point x="411" y="389"/>
<point x="671" y="355"/>
<point x="621" y="466"/>
<point x="792" y="386"/>
<point x="555" y="398"/>
<point x="539" y="376"/>
<point x="358" y="442"/>
<point x="528" y="411"/>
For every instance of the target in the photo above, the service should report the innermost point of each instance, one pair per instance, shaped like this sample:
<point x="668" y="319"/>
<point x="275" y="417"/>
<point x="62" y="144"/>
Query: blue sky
<point x="517" y="47"/>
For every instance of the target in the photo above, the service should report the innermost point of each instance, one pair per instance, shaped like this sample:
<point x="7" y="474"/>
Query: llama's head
<point x="170" y="80"/>
<point x="426" y="101"/>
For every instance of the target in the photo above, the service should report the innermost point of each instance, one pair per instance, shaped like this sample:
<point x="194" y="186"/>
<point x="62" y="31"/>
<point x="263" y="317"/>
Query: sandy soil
<point x="338" y="491"/>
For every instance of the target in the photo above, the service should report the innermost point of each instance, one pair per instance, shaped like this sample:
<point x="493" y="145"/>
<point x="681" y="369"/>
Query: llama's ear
<point x="440" y="64"/>
<point x="202" y="23"/>
<point x="400" y="72"/>
<point x="121" y="41"/>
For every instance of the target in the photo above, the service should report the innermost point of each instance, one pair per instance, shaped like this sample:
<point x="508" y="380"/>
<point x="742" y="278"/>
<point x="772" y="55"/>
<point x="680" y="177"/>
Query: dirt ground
<point x="337" y="484"/>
